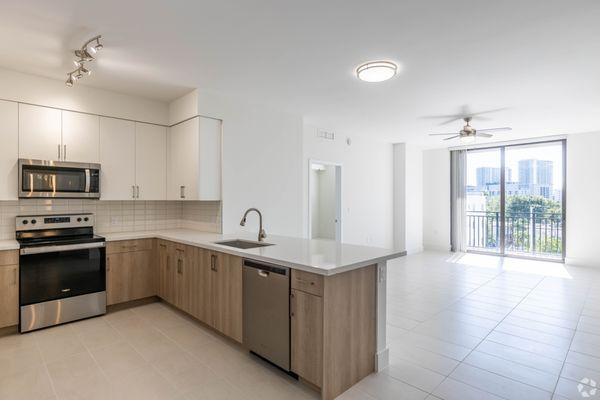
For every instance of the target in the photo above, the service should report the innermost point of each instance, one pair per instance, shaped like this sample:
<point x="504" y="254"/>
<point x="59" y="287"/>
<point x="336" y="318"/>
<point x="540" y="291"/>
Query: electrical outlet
<point x="114" y="221"/>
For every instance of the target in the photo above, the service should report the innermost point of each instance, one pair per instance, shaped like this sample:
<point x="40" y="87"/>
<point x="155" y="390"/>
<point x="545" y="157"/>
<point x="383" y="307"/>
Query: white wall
<point x="436" y="199"/>
<point x="367" y="207"/>
<point x="408" y="197"/>
<point x="33" y="89"/>
<point x="583" y="195"/>
<point x="262" y="158"/>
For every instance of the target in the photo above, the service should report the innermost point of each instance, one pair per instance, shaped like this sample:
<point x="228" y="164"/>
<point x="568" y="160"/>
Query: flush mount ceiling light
<point x="376" y="71"/>
<point x="85" y="54"/>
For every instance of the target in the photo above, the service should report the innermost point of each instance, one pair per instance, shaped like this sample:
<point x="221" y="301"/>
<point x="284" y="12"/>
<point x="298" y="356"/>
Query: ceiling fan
<point x="468" y="134"/>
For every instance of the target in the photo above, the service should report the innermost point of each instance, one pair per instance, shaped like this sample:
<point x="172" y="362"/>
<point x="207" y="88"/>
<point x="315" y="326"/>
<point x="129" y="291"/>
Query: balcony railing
<point x="529" y="233"/>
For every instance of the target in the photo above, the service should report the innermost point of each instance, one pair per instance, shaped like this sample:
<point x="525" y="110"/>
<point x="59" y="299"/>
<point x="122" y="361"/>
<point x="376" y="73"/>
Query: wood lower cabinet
<point x="226" y="294"/>
<point x="307" y="336"/>
<point x="130" y="275"/>
<point x="333" y="328"/>
<point x="204" y="284"/>
<point x="9" y="288"/>
<point x="166" y="272"/>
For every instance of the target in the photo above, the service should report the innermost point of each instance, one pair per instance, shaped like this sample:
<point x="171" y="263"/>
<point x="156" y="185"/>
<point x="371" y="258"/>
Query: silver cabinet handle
<point x="133" y="191"/>
<point x="65" y="152"/>
<point x="137" y="192"/>
<point x="213" y="262"/>
<point x="59" y="151"/>
<point x="179" y="266"/>
<point x="182" y="192"/>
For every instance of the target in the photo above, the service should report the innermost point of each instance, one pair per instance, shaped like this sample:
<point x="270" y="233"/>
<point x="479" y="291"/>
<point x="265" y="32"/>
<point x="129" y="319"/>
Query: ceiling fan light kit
<point x="84" y="55"/>
<point x="468" y="134"/>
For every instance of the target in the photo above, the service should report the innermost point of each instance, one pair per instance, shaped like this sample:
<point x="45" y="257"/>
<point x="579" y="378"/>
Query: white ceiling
<point x="539" y="59"/>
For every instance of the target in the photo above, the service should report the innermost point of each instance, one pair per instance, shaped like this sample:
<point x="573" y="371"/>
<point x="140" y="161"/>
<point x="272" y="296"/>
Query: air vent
<point x="326" y="135"/>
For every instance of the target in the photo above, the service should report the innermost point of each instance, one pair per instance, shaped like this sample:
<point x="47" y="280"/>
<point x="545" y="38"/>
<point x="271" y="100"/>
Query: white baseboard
<point x="382" y="359"/>
<point x="582" y="262"/>
<point x="436" y="247"/>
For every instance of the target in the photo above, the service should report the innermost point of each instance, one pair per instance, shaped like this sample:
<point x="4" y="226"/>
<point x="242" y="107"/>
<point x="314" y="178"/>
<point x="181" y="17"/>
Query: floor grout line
<point x="492" y="330"/>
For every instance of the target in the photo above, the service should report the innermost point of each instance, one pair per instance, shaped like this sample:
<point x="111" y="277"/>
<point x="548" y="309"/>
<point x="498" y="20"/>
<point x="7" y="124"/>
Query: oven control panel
<point x="36" y="222"/>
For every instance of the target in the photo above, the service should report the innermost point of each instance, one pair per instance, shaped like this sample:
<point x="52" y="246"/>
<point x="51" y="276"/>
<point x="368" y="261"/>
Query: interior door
<point x="151" y="161"/>
<point x="80" y="137"/>
<point x="117" y="157"/>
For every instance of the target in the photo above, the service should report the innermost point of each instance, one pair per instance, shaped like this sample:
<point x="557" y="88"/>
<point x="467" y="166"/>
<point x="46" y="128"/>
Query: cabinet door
<point x="183" y="270"/>
<point x="209" y="180"/>
<point x="202" y="302"/>
<point x="142" y="277"/>
<point x="117" y="157"/>
<point x="226" y="288"/>
<point x="182" y="171"/>
<point x="9" y="295"/>
<point x="166" y="277"/>
<point x="9" y="150"/>
<point x="39" y="133"/>
<point x="118" y="270"/>
<point x="151" y="161"/>
<point x="80" y="137"/>
<point x="307" y="336"/>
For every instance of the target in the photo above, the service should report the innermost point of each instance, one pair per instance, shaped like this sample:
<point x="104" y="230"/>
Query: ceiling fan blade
<point x="506" y="128"/>
<point x="453" y="137"/>
<point x="442" y="134"/>
<point x="480" y="134"/>
<point x="489" y="111"/>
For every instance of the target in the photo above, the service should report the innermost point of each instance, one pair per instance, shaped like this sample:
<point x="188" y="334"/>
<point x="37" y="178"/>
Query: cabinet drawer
<point x="9" y="257"/>
<point x="307" y="282"/>
<point x="123" y="246"/>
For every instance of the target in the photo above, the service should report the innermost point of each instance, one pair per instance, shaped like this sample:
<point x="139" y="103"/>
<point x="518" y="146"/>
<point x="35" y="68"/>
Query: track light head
<point x="84" y="70"/>
<point x="70" y="81"/>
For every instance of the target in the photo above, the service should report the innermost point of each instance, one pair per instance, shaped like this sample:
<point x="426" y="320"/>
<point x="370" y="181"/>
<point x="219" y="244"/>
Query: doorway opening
<point x="325" y="198"/>
<point x="515" y="200"/>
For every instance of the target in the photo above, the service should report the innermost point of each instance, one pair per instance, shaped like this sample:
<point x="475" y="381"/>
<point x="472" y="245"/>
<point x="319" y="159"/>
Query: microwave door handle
<point x="87" y="180"/>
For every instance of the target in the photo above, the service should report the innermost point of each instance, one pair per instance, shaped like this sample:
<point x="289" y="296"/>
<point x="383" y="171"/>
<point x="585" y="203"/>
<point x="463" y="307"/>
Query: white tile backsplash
<point x="119" y="216"/>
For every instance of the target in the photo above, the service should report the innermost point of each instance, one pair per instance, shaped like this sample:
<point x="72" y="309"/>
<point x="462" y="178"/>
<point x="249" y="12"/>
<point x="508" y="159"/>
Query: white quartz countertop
<point x="324" y="257"/>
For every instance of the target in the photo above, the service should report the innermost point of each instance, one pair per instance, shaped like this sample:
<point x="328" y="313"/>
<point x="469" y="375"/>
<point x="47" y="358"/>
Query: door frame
<point x="502" y="250"/>
<point x="338" y="196"/>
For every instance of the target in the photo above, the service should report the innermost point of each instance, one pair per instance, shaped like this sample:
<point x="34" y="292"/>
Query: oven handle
<point x="66" y="247"/>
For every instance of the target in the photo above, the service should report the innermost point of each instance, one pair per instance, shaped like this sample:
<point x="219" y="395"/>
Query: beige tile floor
<point x="459" y="327"/>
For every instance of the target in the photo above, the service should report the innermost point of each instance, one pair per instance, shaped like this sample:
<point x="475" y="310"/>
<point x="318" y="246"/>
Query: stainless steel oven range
<point x="62" y="270"/>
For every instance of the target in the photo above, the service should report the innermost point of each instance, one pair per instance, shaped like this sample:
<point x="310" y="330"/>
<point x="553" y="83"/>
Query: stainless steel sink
<point x="243" y="244"/>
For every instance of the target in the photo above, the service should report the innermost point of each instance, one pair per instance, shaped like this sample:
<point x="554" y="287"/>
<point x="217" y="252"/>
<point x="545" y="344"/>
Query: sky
<point x="491" y="158"/>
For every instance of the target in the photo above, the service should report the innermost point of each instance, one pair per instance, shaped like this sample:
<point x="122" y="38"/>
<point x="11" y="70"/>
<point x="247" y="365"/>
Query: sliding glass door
<point x="515" y="200"/>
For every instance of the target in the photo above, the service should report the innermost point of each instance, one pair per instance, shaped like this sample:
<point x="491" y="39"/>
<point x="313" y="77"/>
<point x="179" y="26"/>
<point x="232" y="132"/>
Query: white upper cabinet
<point x="117" y="159"/>
<point x="80" y="137"/>
<point x="210" y="159"/>
<point x="194" y="160"/>
<point x="9" y="150"/>
<point x="39" y="133"/>
<point x="150" y="162"/>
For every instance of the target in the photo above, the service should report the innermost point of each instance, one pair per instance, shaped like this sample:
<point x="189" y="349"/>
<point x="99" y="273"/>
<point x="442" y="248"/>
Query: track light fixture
<point x="84" y="55"/>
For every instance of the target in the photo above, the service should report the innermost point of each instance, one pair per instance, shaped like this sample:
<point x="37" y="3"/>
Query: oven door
<point x="57" y="272"/>
<point x="58" y="179"/>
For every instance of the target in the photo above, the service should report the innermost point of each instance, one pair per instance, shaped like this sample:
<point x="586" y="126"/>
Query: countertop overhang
<point x="320" y="256"/>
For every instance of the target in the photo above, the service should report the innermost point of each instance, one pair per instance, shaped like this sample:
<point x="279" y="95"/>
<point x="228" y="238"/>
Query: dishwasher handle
<point x="262" y="273"/>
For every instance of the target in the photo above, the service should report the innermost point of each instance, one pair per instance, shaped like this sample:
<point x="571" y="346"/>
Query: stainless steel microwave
<point x="58" y="179"/>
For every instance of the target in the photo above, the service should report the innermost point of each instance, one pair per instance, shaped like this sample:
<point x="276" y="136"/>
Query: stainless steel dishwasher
<point x="266" y="290"/>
